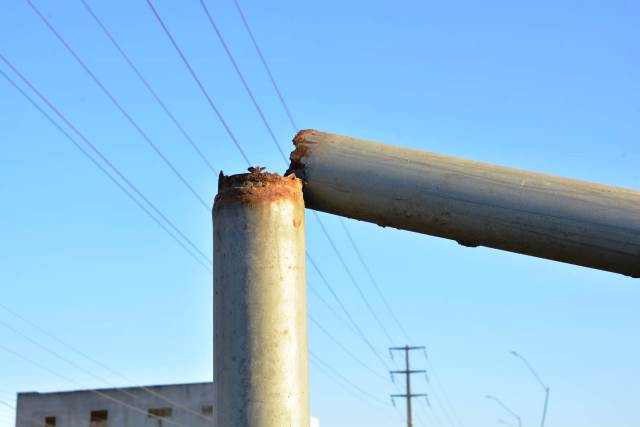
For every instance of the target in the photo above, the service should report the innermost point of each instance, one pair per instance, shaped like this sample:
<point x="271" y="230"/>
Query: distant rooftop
<point x="110" y="389"/>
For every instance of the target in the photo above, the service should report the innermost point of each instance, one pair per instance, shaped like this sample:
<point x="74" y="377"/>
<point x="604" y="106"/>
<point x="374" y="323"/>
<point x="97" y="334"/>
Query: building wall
<point x="74" y="408"/>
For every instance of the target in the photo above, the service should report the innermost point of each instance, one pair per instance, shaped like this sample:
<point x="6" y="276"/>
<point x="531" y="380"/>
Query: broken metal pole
<point x="474" y="203"/>
<point x="260" y="309"/>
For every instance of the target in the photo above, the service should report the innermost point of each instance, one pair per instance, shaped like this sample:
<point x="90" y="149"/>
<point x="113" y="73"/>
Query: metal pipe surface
<point x="474" y="203"/>
<point x="260" y="313"/>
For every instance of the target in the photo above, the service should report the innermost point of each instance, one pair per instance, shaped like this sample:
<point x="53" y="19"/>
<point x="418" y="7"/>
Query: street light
<point x="506" y="408"/>
<point x="544" y="386"/>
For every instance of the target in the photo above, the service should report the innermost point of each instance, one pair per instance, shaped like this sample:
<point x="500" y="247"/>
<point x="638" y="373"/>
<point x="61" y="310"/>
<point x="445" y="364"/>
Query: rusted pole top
<point x="256" y="187"/>
<point x="474" y="203"/>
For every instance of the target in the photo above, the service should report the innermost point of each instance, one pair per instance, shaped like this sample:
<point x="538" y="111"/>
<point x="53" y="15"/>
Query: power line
<point x="126" y="192"/>
<point x="335" y="312"/>
<point x="372" y="279"/>
<point x="431" y="414"/>
<point x="266" y="67"/>
<point x="358" y="360"/>
<point x="346" y="380"/>
<point x="205" y="93"/>
<point x="57" y="355"/>
<point x="86" y="371"/>
<point x="87" y="357"/>
<point x="388" y="307"/>
<point x="76" y="383"/>
<point x="343" y="385"/>
<point x="199" y="83"/>
<point x="377" y="287"/>
<point x="275" y="141"/>
<point x="356" y="249"/>
<point x="446" y="396"/>
<point x="250" y="93"/>
<point x="103" y="169"/>
<point x="93" y="148"/>
<point x="130" y="119"/>
<point x="153" y="93"/>
<point x="353" y="279"/>
<point x="104" y="89"/>
<point x="346" y="312"/>
<point x="74" y="55"/>
<point x="242" y="79"/>
<point x="10" y="407"/>
<point x="118" y="106"/>
<point x="26" y="419"/>
<point x="111" y="97"/>
<point x="346" y="350"/>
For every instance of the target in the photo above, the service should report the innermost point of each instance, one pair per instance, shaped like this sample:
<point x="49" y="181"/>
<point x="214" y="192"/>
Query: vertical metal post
<point x="406" y="361"/>
<point x="260" y="316"/>
<point x="546" y="403"/>
<point x="542" y="384"/>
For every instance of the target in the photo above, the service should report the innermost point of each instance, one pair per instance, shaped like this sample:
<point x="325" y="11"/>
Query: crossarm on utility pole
<point x="474" y="203"/>
<point x="412" y="395"/>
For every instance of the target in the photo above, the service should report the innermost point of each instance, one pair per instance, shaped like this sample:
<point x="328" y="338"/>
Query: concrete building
<point x="165" y="405"/>
<point x="177" y="405"/>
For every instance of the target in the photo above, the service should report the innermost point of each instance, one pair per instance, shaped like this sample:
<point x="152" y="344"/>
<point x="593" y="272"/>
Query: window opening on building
<point x="159" y="412"/>
<point x="99" y="418"/>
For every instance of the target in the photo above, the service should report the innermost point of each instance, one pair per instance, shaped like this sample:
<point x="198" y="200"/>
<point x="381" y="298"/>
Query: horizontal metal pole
<point x="474" y="203"/>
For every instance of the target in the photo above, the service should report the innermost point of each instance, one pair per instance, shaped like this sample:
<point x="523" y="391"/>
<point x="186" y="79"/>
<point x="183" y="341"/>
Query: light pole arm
<point x="506" y="408"/>
<point x="533" y="371"/>
<point x="544" y="386"/>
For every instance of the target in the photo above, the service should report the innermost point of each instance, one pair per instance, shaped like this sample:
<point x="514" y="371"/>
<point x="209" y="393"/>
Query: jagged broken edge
<point x="296" y="165"/>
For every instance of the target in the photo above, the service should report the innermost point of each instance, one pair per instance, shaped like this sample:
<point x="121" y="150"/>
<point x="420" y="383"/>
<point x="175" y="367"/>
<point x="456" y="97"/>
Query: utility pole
<point x="407" y="372"/>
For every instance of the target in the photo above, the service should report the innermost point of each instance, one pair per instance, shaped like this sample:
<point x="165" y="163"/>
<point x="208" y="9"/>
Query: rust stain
<point x="302" y="149"/>
<point x="256" y="187"/>
<point x="297" y="163"/>
<point x="296" y="222"/>
<point x="301" y="135"/>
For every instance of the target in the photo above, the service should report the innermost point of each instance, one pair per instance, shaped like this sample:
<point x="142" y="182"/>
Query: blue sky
<point x="550" y="86"/>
